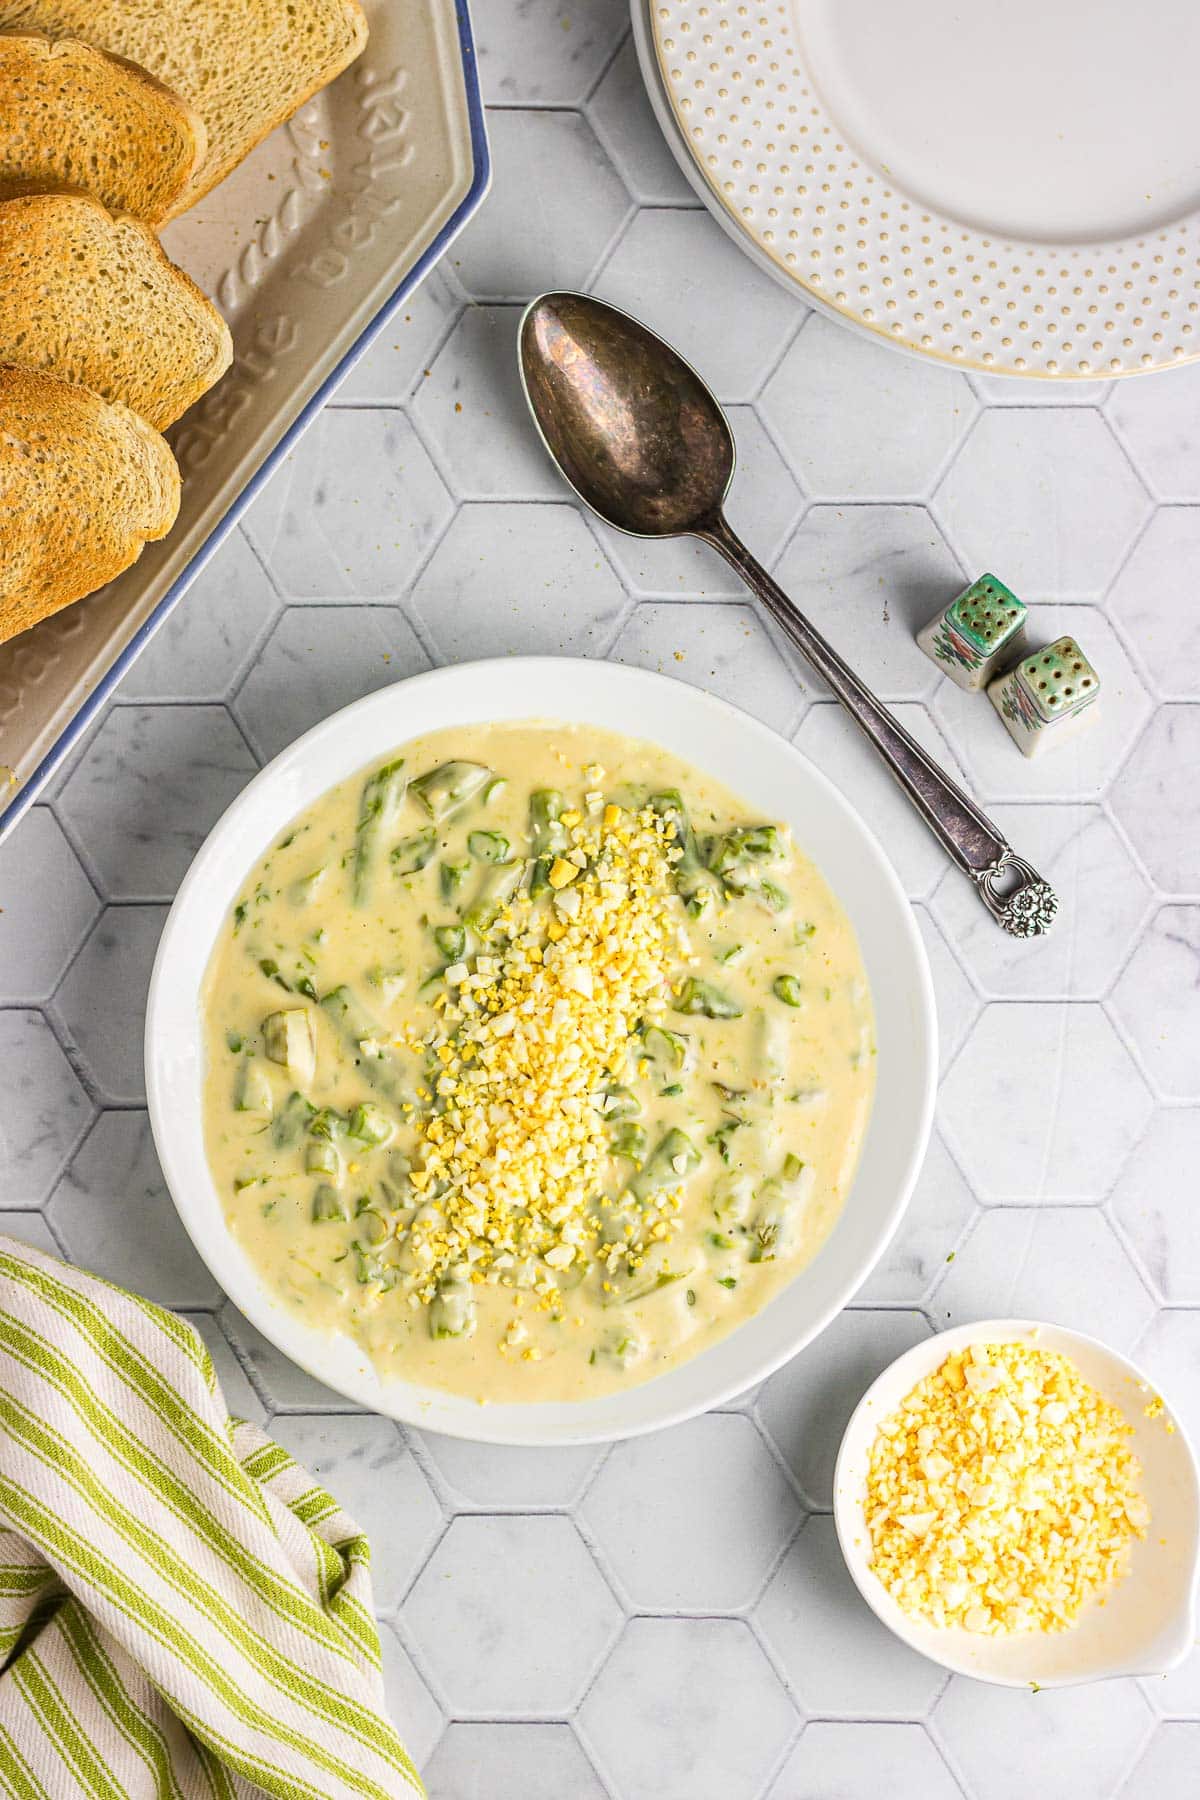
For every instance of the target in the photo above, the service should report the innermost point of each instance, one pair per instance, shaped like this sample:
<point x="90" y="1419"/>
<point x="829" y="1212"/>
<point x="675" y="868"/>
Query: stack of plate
<point x="1006" y="186"/>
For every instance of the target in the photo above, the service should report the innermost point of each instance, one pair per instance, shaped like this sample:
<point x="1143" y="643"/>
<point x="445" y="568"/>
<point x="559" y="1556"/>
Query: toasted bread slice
<point x="72" y="117"/>
<point x="94" y="300"/>
<point x="245" y="65"/>
<point x="83" y="486"/>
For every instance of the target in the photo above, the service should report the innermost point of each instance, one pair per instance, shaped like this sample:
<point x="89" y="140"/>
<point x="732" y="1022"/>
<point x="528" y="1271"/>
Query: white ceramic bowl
<point x="756" y="764"/>
<point x="1148" y="1622"/>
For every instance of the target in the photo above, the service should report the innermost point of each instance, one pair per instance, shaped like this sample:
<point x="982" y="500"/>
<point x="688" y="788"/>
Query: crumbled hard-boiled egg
<point x="520" y="1151"/>
<point x="1003" y="1494"/>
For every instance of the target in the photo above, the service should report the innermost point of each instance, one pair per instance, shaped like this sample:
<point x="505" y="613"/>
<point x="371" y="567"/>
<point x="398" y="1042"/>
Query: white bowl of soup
<point x="540" y="1051"/>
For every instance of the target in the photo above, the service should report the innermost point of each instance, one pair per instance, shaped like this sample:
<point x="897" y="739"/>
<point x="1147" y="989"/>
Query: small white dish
<point x="755" y="763"/>
<point x="1148" y="1622"/>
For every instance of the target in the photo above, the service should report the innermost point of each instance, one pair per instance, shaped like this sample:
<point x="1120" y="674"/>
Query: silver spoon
<point x="643" y="442"/>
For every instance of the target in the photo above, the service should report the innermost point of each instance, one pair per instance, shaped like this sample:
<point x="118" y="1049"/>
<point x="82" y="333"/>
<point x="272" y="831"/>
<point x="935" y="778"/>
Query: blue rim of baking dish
<point x="28" y="790"/>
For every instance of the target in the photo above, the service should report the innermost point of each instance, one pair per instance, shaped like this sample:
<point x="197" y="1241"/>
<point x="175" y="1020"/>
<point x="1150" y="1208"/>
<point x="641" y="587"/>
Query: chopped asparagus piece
<point x="670" y="1162"/>
<point x="619" y="1349"/>
<point x="328" y="1124"/>
<point x="691" y="877"/>
<point x="769" y="1040"/>
<point x="382" y="797"/>
<point x="289" y="1039"/>
<point x="358" y="1028"/>
<point x="494" y="789"/>
<point x="547" y="834"/>
<point x="413" y="853"/>
<point x="447" y="789"/>
<point x="270" y="968"/>
<point x="620" y="1103"/>
<point x="373" y="1228"/>
<point x="722" y="1136"/>
<point x="452" y="876"/>
<point x="770" y="896"/>
<point x="488" y="846"/>
<point x="733" y="1196"/>
<point x="787" y="988"/>
<point x="666" y="1050"/>
<point x="291" y="1123"/>
<point x="744" y="847"/>
<point x="696" y="996"/>
<point x="451" y="941"/>
<point x="658" y="1270"/>
<point x="629" y="1140"/>
<point x="500" y="882"/>
<point x="389" y="982"/>
<point x="395" y="1188"/>
<point x="744" y="858"/>
<point x="305" y="888"/>
<point x="321" y="1158"/>
<point x="452" y="1310"/>
<point x="372" y="1268"/>
<point x="773" y="1232"/>
<point x="369" y="1124"/>
<point x="539" y="876"/>
<point x="328" y="1204"/>
<point x="252" y="1088"/>
<point x="618" y="1224"/>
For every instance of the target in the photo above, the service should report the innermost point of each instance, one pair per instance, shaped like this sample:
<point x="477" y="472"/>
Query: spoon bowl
<point x="630" y="424"/>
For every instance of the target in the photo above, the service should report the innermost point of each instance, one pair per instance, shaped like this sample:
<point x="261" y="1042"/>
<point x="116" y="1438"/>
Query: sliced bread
<point x="245" y="65"/>
<point x="72" y="117"/>
<point x="83" y="486"/>
<point x="94" y="300"/>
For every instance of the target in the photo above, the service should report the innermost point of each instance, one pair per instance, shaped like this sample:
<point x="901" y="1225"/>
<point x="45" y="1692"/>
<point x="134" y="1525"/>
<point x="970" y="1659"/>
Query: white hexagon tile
<point x="670" y="1617"/>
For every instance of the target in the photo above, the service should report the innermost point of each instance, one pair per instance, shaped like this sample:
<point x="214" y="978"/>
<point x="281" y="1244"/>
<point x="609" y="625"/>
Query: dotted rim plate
<point x="735" y="79"/>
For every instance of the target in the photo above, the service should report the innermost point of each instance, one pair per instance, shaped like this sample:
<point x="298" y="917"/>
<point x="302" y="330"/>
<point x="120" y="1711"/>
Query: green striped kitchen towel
<point x="182" y="1612"/>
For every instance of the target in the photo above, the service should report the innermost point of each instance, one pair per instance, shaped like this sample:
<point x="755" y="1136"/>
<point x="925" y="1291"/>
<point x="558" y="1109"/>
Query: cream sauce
<point x="780" y="1085"/>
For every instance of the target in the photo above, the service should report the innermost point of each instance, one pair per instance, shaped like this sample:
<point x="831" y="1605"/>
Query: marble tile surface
<point x="633" y="1508"/>
<point x="1047" y="496"/>
<point x="143" y="797"/>
<point x="857" y="421"/>
<point x="670" y="1618"/>
<point x="865" y="576"/>
<point x="470" y="1614"/>
<point x="834" y="1652"/>
<point x="43" y="921"/>
<point x="703" y="1686"/>
<point x="112" y="1213"/>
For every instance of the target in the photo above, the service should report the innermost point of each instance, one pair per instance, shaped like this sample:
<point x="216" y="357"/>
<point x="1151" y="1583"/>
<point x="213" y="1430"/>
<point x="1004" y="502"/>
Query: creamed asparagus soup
<point x="536" y="1062"/>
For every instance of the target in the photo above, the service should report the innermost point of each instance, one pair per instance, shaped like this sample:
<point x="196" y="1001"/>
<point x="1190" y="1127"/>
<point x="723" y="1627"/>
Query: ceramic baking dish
<point x="307" y="248"/>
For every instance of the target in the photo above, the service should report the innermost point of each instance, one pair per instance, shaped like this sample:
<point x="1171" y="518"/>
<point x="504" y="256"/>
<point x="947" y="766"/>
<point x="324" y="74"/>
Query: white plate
<point x="1148" y="1623"/>
<point x="737" y="750"/>
<point x="307" y="249"/>
<point x="1008" y="185"/>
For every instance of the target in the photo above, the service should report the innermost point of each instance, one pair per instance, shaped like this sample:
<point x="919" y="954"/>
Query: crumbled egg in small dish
<point x="1002" y="1494"/>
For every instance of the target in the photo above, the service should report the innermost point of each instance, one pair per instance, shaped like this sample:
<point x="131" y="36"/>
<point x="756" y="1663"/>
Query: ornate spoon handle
<point x="1013" y="892"/>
